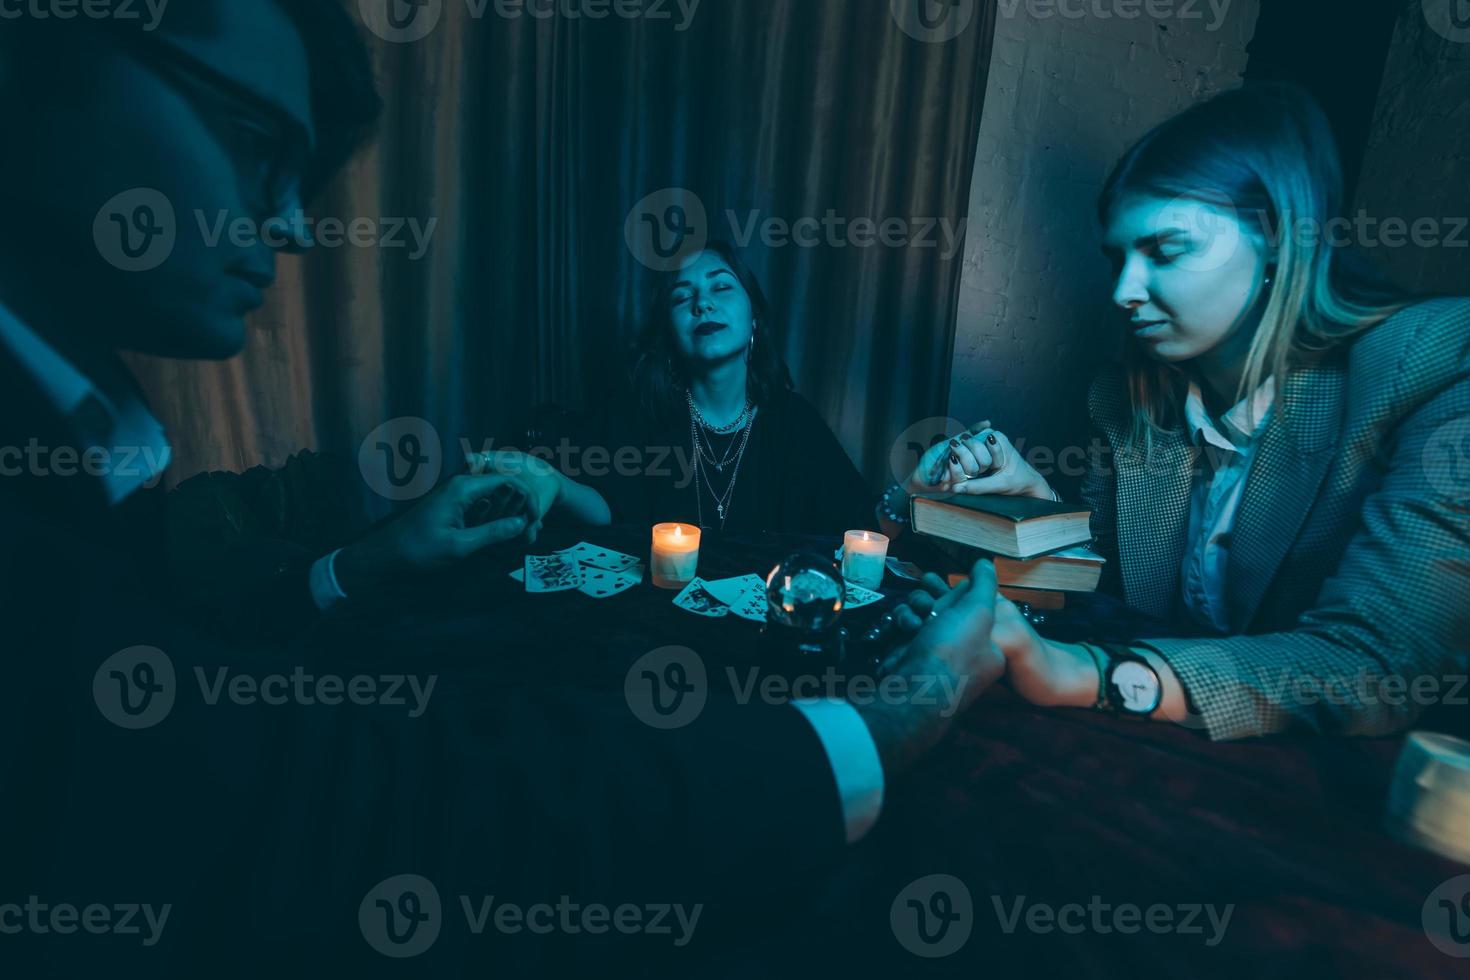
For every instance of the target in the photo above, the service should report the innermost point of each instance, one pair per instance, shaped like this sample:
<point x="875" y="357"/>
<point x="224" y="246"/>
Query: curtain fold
<point x="527" y="142"/>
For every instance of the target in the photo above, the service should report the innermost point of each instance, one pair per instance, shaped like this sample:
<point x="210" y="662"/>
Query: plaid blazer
<point x="1349" y="565"/>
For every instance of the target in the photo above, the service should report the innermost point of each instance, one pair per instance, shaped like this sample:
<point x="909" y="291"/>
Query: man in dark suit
<point x="187" y="835"/>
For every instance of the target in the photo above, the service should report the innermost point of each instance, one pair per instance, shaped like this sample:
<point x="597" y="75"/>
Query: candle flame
<point x="679" y="531"/>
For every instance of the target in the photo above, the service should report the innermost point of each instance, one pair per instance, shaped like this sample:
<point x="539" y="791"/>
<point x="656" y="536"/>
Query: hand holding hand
<point x="951" y="647"/>
<point x="980" y="460"/>
<point x="1044" y="672"/>
<point x="543" y="482"/>
<point x="462" y="518"/>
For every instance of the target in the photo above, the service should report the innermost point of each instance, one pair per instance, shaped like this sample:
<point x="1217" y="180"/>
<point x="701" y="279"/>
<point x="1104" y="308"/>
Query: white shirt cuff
<point x="326" y="591"/>
<point x="854" y="760"/>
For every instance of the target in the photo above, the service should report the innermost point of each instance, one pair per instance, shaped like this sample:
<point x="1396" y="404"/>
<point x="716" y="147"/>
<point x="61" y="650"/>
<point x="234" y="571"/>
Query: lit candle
<point x="675" y="556"/>
<point x="863" y="555"/>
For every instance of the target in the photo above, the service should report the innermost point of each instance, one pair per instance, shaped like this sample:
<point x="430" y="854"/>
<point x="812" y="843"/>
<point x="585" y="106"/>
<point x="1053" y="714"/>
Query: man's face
<point x="199" y="134"/>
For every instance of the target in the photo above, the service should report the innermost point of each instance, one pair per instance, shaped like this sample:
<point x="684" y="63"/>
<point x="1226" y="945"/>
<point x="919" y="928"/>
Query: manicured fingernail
<point x="954" y="458"/>
<point x="991" y="439"/>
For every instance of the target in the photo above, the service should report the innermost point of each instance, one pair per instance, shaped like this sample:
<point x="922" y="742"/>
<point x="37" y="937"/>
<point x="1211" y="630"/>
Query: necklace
<point x="719" y="430"/>
<point x="722" y="501"/>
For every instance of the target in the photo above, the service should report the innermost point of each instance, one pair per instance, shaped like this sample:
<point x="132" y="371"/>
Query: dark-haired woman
<point x="713" y="433"/>
<point x="1288" y="476"/>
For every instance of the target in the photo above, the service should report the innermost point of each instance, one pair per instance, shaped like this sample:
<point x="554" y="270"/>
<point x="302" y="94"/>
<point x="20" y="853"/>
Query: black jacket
<point x="266" y="828"/>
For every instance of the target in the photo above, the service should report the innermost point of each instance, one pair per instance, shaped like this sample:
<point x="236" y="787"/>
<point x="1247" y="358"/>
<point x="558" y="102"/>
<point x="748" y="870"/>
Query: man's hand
<point x="952" y="647"/>
<point x="462" y="518"/>
<point x="543" y="482"/>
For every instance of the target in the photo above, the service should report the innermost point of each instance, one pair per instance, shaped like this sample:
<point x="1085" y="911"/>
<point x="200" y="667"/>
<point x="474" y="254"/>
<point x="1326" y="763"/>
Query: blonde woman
<point x="1290" y="463"/>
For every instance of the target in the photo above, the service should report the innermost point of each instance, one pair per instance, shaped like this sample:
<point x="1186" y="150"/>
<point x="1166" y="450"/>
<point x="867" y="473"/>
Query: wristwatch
<point x="1127" y="684"/>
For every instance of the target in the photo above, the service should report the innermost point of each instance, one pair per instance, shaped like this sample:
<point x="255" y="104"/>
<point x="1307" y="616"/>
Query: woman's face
<point x="1187" y="275"/>
<point x="710" y="312"/>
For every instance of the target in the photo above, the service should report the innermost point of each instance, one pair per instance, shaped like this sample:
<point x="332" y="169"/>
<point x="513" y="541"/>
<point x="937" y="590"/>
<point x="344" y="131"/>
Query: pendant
<point x="721" y="508"/>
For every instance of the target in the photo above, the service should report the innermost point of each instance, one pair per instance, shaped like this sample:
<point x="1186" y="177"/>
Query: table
<point x="1021" y="805"/>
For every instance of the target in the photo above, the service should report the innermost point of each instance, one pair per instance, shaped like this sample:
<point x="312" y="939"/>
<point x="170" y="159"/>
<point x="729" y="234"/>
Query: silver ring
<point x="934" y="614"/>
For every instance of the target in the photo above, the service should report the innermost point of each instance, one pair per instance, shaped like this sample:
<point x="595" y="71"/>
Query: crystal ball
<point x="805" y="592"/>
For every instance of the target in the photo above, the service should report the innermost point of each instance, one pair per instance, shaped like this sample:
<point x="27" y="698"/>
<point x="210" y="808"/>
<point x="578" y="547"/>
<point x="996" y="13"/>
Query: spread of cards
<point x="745" y="596"/>
<point x="602" y="573"/>
<point x="586" y="568"/>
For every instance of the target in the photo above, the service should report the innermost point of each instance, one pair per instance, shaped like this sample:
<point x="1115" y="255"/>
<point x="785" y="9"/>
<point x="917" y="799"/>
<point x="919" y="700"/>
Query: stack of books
<point x="1037" y="544"/>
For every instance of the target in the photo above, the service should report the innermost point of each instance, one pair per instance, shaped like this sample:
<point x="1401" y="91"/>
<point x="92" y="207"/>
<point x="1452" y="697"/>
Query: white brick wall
<point x="1066" y="97"/>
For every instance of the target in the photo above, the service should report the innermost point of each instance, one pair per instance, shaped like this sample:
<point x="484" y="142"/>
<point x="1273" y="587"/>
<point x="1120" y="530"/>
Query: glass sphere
<point x="805" y="592"/>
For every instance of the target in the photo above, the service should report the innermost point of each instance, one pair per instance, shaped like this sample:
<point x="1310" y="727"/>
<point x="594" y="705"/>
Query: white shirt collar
<point x="136" y="445"/>
<point x="1238" y="426"/>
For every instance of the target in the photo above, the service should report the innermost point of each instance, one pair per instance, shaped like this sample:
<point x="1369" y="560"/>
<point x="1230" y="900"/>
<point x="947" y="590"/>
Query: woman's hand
<point x="1043" y="672"/>
<point x="542" y="480"/>
<point x="980" y="460"/>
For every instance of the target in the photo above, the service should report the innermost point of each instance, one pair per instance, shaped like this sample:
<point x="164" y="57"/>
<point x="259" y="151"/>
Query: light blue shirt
<point x="1227" y="449"/>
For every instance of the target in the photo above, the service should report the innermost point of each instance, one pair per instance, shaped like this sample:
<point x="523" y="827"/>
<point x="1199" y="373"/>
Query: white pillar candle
<point x="863" y="555"/>
<point x="675" y="558"/>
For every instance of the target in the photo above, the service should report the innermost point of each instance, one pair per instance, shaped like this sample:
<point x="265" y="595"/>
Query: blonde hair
<point x="1266" y="153"/>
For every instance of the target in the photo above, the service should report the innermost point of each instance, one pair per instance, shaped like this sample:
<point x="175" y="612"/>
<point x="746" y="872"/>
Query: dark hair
<point x="344" y="99"/>
<point x="659" y="378"/>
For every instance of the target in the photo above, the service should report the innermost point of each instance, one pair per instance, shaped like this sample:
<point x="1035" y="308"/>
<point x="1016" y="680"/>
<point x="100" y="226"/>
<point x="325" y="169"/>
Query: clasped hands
<point x="1044" y="672"/>
<point x="503" y="498"/>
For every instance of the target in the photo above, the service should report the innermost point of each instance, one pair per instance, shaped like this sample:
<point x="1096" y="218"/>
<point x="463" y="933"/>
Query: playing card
<point x="552" y="573"/>
<point x="752" y="607"/>
<point x="696" y="598"/>
<point x="605" y="558"/>
<point x="601" y="583"/>
<point x="857" y="597"/>
<point x="732" y="591"/>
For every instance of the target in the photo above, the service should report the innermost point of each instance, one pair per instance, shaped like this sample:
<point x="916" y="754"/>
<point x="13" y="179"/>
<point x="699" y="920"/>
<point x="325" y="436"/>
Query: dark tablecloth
<point x="1023" y="806"/>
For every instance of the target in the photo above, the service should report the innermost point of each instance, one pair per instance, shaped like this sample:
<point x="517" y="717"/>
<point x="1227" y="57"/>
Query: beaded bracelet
<point x="886" y="509"/>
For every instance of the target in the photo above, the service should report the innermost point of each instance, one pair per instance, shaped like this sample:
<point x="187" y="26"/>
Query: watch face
<point x="1138" y="686"/>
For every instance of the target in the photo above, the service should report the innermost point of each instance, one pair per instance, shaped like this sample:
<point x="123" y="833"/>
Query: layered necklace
<point x="705" y="456"/>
